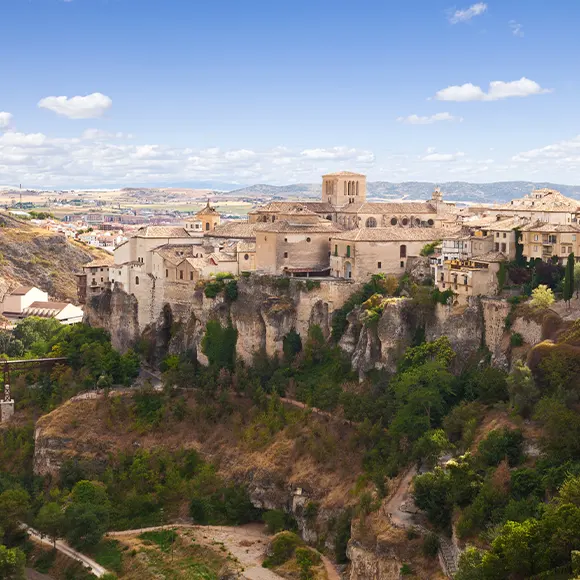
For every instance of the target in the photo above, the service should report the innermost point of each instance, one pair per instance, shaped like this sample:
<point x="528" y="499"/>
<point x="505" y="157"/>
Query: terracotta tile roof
<point x="395" y="234"/>
<point x="161" y="232"/>
<point x="241" y="229"/>
<point x="285" y="226"/>
<point x="106" y="261"/>
<point x="407" y="208"/>
<point x="344" y="174"/>
<point x="282" y="206"/>
<point x="490" y="257"/>
<point x="21" y="290"/>
<point x="543" y="200"/>
<point x="549" y="228"/>
<point x="207" y="210"/>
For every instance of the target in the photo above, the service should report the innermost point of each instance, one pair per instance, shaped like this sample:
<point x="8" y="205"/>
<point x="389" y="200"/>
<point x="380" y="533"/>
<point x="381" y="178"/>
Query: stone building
<point x="477" y="276"/>
<point x="545" y="205"/>
<point x="296" y="243"/>
<point x="548" y="241"/>
<point x="344" y="203"/>
<point x="94" y="278"/>
<point x="357" y="254"/>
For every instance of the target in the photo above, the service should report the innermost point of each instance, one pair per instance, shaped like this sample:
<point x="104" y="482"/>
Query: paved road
<point x="63" y="547"/>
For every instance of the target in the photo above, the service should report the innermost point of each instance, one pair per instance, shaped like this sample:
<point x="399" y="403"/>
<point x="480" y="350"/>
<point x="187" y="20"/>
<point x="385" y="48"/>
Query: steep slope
<point x="32" y="256"/>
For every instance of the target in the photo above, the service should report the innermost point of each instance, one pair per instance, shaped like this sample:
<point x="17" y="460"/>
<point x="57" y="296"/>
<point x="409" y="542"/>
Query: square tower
<point x="343" y="188"/>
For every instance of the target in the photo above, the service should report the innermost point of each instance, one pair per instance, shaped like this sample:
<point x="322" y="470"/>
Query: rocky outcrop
<point x="378" y="563"/>
<point x="268" y="308"/>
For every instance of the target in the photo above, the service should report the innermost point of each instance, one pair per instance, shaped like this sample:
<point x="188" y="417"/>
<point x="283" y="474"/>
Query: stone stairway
<point x="447" y="556"/>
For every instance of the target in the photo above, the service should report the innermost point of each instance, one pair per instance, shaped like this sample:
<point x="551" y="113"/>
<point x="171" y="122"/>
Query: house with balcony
<point x="550" y="242"/>
<point x="477" y="276"/>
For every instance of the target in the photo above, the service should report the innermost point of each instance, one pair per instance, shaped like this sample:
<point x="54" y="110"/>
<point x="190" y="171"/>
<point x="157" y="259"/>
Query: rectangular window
<point x="402" y="264"/>
<point x="191" y="275"/>
<point x="563" y="249"/>
<point x="535" y="238"/>
<point x="379" y="265"/>
<point x="497" y="246"/>
<point x="573" y="237"/>
<point x="167" y="273"/>
<point x="503" y="247"/>
<point x="504" y="235"/>
<point x="285" y="254"/>
<point x="181" y="274"/>
<point x="535" y="248"/>
<point x="497" y="234"/>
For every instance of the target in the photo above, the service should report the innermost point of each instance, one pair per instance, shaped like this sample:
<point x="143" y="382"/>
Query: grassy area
<point x="109" y="554"/>
<point x="164" y="539"/>
<point x="167" y="554"/>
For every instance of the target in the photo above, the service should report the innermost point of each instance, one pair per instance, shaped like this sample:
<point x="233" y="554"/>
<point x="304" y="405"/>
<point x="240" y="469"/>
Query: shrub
<point x="431" y="545"/>
<point x="282" y="548"/>
<point x="212" y="289"/>
<point x="516" y="339"/>
<point x="275" y="521"/>
<point x="406" y="570"/>
<point x="542" y="297"/>
<point x="231" y="290"/>
<point x="429" y="249"/>
<point x="501" y="444"/>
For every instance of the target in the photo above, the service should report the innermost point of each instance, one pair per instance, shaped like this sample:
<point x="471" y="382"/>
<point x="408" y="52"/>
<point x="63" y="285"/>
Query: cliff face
<point x="267" y="309"/>
<point x="32" y="256"/>
<point x="286" y="471"/>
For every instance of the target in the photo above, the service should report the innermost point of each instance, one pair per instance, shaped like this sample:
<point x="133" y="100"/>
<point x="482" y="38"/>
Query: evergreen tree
<point x="569" y="279"/>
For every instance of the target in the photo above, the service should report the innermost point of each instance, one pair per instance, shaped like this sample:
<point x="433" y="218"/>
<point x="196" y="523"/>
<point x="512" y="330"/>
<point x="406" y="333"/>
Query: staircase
<point x="447" y="556"/>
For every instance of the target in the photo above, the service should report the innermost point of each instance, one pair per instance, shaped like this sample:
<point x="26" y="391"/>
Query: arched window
<point x="417" y="222"/>
<point x="246" y="257"/>
<point x="348" y="251"/>
<point x="371" y="222"/>
<point x="394" y="221"/>
<point x="405" y="221"/>
<point x="357" y="188"/>
<point x="403" y="251"/>
<point x="345" y="188"/>
<point x="137" y="280"/>
<point x="349" y="188"/>
<point x="206" y="226"/>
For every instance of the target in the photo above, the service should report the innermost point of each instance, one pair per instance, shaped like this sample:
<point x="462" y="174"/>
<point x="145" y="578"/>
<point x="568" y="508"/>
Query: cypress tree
<point x="569" y="279"/>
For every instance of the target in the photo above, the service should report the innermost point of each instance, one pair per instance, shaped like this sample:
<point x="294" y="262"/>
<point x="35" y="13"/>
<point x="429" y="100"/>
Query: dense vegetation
<point x="91" y="362"/>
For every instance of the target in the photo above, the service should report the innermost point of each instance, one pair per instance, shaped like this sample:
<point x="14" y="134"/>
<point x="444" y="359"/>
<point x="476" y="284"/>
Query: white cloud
<point x="516" y="28"/>
<point x="13" y="138"/>
<point x="88" y="107"/>
<point x="443" y="157"/>
<point x="99" y="158"/>
<point x="467" y="14"/>
<point x="339" y="154"/>
<point x="564" y="155"/>
<point x="5" y="119"/>
<point x="417" y="120"/>
<point x="497" y="90"/>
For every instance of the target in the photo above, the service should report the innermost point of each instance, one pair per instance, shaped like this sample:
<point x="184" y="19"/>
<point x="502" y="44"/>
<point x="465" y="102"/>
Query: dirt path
<point x="393" y="506"/>
<point x="63" y="547"/>
<point x="245" y="543"/>
<point x="34" y="575"/>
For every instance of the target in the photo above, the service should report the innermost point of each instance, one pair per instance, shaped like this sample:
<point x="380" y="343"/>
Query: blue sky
<point x="246" y="91"/>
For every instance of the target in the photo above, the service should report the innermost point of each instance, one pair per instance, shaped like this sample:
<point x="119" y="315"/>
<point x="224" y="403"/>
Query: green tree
<point x="87" y="515"/>
<point x="522" y="389"/>
<point x="14" y="507"/>
<point x="219" y="344"/>
<point x="432" y="494"/>
<point x="542" y="297"/>
<point x="577" y="279"/>
<point x="568" y="288"/>
<point x="431" y="446"/>
<point x="50" y="521"/>
<point x="12" y="562"/>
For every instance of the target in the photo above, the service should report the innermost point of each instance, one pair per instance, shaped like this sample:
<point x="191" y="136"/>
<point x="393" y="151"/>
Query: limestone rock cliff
<point x="267" y="309"/>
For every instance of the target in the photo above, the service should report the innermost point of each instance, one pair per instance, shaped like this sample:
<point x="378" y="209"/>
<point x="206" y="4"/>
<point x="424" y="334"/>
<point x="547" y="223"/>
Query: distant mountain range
<point x="459" y="191"/>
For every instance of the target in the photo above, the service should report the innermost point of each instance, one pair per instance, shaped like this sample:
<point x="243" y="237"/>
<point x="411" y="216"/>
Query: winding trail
<point x="63" y="547"/>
